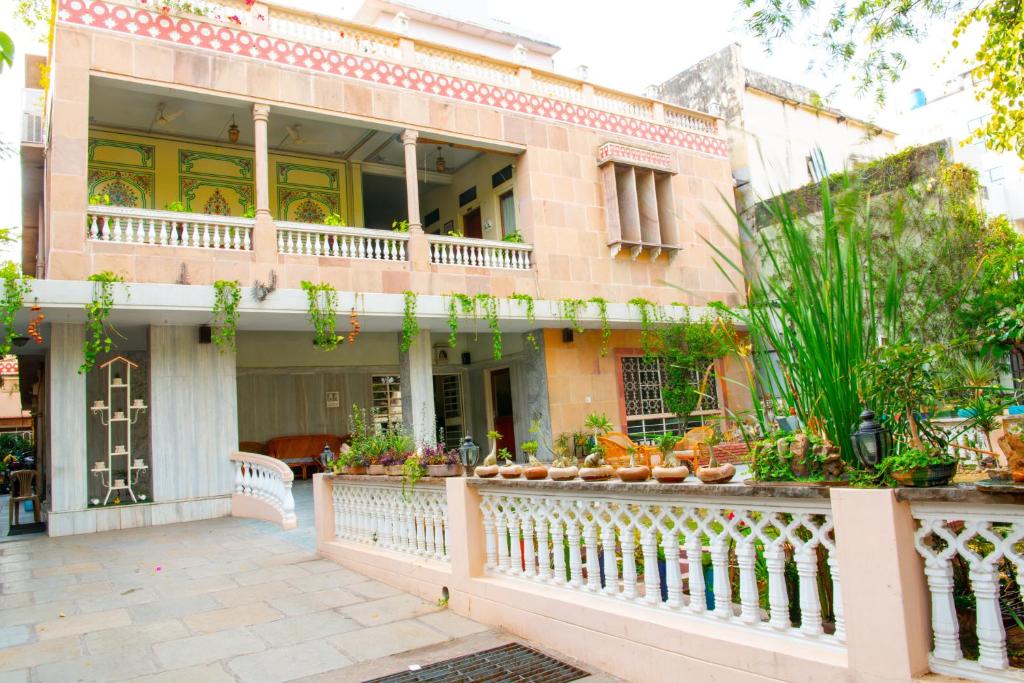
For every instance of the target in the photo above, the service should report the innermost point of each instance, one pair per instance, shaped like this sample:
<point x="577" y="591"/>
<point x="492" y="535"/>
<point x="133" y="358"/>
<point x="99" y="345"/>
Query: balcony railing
<point x="463" y="251"/>
<point x="127" y="225"/>
<point x="303" y="239"/>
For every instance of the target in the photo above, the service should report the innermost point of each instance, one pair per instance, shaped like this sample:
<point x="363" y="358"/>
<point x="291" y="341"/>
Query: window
<point x="507" y="209"/>
<point x="501" y="177"/>
<point x="642" y="379"/>
<point x="816" y="168"/>
<point x="996" y="174"/>
<point x="386" y="400"/>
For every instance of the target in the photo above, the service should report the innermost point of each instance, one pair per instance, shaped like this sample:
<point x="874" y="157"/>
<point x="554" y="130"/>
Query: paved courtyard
<point x="218" y="600"/>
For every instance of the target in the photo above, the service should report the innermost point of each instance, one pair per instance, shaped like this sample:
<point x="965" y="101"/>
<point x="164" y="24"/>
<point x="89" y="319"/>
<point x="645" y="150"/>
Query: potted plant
<point x="489" y="469"/>
<point x="594" y="467"/>
<point x="598" y="423"/>
<point x="713" y="472"/>
<point x="920" y="466"/>
<point x="349" y="462"/>
<point x="441" y="462"/>
<point x="669" y="471"/>
<point x="563" y="467"/>
<point x="633" y="472"/>
<point x="535" y="469"/>
<point x="392" y="462"/>
<point x="510" y="470"/>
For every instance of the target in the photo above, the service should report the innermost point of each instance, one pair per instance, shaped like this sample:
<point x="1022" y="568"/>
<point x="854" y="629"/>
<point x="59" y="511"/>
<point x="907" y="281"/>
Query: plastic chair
<point x="22" y="481"/>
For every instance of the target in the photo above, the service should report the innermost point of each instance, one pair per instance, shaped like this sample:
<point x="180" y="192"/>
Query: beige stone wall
<point x="561" y="210"/>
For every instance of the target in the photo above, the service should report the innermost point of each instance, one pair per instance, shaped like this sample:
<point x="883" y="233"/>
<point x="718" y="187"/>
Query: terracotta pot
<point x="597" y="473"/>
<point x="377" y="470"/>
<point x="717" y="475"/>
<point x="671" y="475"/>
<point x="535" y="472"/>
<point x="455" y="470"/>
<point x="510" y="471"/>
<point x="933" y="475"/>
<point x="393" y="470"/>
<point x="563" y="473"/>
<point x="486" y="471"/>
<point x="635" y="473"/>
<point x="354" y="469"/>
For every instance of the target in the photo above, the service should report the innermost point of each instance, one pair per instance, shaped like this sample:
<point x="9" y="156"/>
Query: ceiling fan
<point x="163" y="117"/>
<point x="294" y="137"/>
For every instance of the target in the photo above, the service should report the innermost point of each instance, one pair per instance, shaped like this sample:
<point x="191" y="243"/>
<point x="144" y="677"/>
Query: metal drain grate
<point x="512" y="662"/>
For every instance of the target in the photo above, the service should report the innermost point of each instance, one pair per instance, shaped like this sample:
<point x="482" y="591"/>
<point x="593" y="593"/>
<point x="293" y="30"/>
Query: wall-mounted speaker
<point x="205" y="334"/>
<point x="567" y="336"/>
<point x="465" y="358"/>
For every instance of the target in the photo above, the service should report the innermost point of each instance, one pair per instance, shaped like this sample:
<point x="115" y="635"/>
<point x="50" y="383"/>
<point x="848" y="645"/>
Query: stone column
<point x="265" y="233"/>
<point x="260" y="114"/>
<point x="416" y="368"/>
<point x="67" y="459"/>
<point x="419" y="249"/>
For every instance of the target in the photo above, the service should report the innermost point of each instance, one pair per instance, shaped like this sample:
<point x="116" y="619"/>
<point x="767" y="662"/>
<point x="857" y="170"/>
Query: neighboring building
<point x="780" y="136"/>
<point x="953" y="114"/>
<point x="13" y="418"/>
<point x="303" y="123"/>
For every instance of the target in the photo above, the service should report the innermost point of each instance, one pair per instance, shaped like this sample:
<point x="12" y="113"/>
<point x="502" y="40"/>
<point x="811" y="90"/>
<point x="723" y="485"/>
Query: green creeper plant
<point x="410" y="326"/>
<point x="606" y="328"/>
<point x="322" y="313"/>
<point x="457" y="302"/>
<point x="648" y="315"/>
<point x="97" y="311"/>
<point x="570" y="312"/>
<point x="15" y="289"/>
<point x="227" y="295"/>
<point x="528" y="303"/>
<point x="688" y="347"/>
<point x="489" y="305"/>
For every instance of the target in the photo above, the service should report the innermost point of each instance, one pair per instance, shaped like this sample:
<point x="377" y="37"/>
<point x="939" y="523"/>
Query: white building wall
<point x="780" y="136"/>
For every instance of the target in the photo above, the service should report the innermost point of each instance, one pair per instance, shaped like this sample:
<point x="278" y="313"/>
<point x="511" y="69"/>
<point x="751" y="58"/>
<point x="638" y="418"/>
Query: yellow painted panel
<point x="121" y="152"/>
<point x="202" y="162"/>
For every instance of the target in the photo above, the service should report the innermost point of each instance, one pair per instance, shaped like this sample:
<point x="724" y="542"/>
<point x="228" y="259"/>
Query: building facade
<point x="780" y="134"/>
<point x="429" y="186"/>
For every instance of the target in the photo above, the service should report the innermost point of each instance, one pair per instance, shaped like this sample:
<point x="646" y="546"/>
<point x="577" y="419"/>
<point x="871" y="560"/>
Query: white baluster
<point x="652" y="580"/>
<point x="163" y="232"/>
<point x="746" y="555"/>
<point x="543" y="552"/>
<point x="490" y="541"/>
<point x="628" y="543"/>
<point x="673" y="580"/>
<point x="991" y="634"/>
<point x="837" y="596"/>
<point x="401" y="250"/>
<point x="558" y="549"/>
<point x="611" y="564"/>
<point x="778" y="596"/>
<point x="575" y="560"/>
<point x="810" y="608"/>
<point x="695" y="572"/>
<point x="94" y="226"/>
<point x="504" y="564"/>
<point x="593" y="553"/>
<point x="529" y="557"/>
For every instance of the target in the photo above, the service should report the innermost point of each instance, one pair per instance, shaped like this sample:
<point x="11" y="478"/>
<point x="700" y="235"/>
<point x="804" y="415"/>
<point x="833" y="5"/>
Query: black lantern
<point x="469" y="452"/>
<point x="871" y="442"/>
<point x="326" y="456"/>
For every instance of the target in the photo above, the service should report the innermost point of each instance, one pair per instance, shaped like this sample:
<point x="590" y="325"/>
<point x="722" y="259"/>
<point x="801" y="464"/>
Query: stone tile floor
<point x="218" y="600"/>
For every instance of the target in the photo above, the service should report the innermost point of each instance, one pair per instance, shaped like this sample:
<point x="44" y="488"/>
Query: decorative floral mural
<point x="216" y="205"/>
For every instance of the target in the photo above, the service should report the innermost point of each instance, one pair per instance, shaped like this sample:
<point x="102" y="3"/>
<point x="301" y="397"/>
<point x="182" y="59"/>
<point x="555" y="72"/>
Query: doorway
<point x="503" y="420"/>
<point x="471" y="225"/>
<point x="448" y="409"/>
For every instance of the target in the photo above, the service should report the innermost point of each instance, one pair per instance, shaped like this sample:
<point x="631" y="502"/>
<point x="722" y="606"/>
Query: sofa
<point x="301" y="452"/>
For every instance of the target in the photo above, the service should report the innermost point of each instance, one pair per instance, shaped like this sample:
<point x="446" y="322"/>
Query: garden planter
<point x="535" y="471"/>
<point x="933" y="475"/>
<point x="563" y="473"/>
<point x="455" y="470"/>
<point x="354" y="469"/>
<point x="721" y="474"/>
<point x="634" y="473"/>
<point x="671" y="475"/>
<point x="486" y="471"/>
<point x="597" y="473"/>
<point x="510" y="471"/>
<point x="378" y="470"/>
<point x="393" y="470"/>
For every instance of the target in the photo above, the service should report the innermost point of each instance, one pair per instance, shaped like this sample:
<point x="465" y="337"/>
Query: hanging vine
<point x="227" y="295"/>
<point x="528" y="303"/>
<point x="468" y="307"/>
<point x="97" y="311"/>
<point x="606" y="329"/>
<point x="15" y="289"/>
<point x="410" y="327"/>
<point x="648" y="315"/>
<point x="489" y="306"/>
<point x="322" y="313"/>
<point x="570" y="311"/>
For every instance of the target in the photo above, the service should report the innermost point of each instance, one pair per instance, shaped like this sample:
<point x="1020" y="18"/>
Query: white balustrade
<point x="128" y="225"/>
<point x="972" y="555"/>
<point x="462" y="251"/>
<point x="303" y="239"/>
<point x="380" y="512"/>
<point x="624" y="104"/>
<point x="689" y="120"/>
<point x="459" y="64"/>
<point x="321" y="31"/>
<point x="263" y="489"/>
<point x="578" y="541"/>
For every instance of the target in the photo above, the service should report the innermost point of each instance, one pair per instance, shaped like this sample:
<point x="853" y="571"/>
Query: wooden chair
<point x="616" y="450"/>
<point x="23" y="487"/>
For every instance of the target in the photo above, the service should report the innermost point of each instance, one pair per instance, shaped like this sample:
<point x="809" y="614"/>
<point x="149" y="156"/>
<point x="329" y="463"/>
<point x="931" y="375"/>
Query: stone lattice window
<point x="646" y="413"/>
<point x="640" y="212"/>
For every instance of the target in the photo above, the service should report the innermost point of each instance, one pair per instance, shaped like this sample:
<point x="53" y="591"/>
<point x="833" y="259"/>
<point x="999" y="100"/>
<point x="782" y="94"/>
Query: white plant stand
<point x="118" y="413"/>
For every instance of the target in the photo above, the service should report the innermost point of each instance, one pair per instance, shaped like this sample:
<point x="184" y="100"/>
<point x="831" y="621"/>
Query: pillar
<point x="885" y="595"/>
<point x="412" y="190"/>
<point x="67" y="460"/>
<point x="265" y="233"/>
<point x="416" y="367"/>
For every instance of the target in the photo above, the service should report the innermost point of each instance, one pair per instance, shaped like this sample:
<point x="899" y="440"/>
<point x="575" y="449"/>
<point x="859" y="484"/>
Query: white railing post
<point x="477" y="253"/>
<point x="263" y="489"/>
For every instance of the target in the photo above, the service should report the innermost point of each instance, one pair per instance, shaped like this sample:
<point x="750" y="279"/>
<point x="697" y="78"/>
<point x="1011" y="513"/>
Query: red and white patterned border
<point x="236" y="41"/>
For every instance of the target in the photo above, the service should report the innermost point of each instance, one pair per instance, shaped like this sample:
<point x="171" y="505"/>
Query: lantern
<point x="871" y="441"/>
<point x="233" y="131"/>
<point x="326" y="456"/>
<point x="469" y="452"/>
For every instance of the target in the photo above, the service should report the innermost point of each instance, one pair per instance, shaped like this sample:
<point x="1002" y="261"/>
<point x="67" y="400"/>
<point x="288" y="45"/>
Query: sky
<point x="626" y="45"/>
